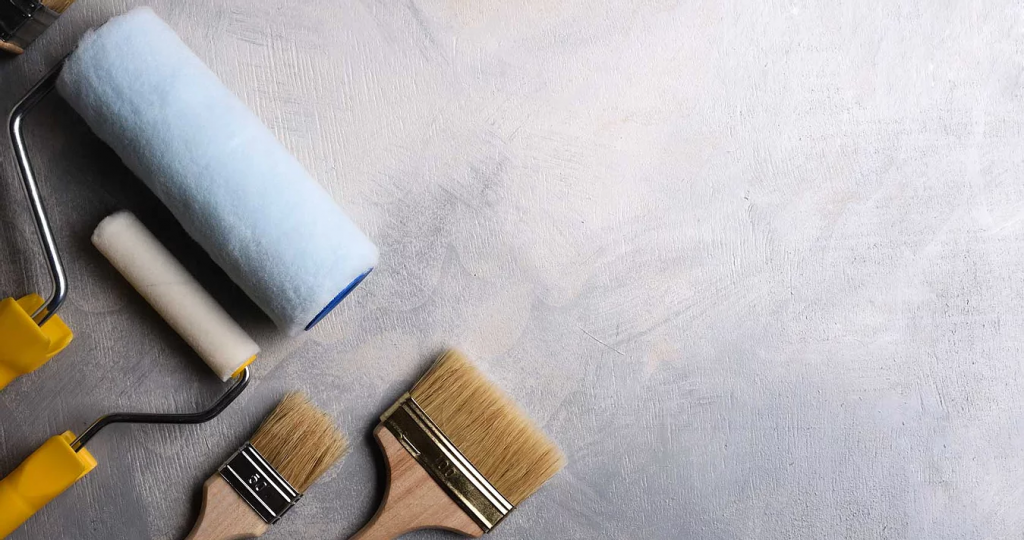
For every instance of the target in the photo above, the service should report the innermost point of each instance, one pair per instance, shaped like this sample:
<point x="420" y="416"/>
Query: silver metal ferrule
<point x="22" y="21"/>
<point x="259" y="485"/>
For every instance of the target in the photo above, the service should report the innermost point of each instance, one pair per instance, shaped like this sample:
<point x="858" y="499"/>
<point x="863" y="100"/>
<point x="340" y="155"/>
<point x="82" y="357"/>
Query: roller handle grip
<point x="225" y="516"/>
<point x="17" y="509"/>
<point x="24" y="345"/>
<point x="44" y="475"/>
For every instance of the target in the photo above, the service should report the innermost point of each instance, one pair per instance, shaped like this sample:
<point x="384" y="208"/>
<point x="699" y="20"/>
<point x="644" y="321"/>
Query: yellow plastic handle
<point x="50" y="470"/>
<point x="24" y="345"/>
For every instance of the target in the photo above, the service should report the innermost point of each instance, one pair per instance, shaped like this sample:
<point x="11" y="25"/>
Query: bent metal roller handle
<point x="63" y="460"/>
<point x="189" y="309"/>
<point x="31" y="333"/>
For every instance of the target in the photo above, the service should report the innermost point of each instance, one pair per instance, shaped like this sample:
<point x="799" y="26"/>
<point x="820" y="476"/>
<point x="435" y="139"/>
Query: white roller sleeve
<point x="174" y="293"/>
<point x="233" y="187"/>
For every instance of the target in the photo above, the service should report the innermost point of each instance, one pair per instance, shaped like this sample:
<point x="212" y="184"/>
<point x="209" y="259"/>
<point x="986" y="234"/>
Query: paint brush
<point x="293" y="447"/>
<point x="460" y="455"/>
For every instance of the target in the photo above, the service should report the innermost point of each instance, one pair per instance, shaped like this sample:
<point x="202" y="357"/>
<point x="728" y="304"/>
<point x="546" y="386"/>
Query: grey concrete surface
<point x="756" y="266"/>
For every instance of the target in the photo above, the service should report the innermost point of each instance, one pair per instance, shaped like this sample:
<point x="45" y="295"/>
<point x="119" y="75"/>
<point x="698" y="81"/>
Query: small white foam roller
<point x="174" y="294"/>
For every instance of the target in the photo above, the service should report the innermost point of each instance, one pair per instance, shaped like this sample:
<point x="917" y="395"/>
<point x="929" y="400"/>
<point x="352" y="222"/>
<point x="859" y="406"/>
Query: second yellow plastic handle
<point x="44" y="475"/>
<point x="24" y="345"/>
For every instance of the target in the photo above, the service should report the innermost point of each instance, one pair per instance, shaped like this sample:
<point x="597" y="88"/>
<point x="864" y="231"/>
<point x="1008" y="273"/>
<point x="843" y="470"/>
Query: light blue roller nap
<point x="236" y="190"/>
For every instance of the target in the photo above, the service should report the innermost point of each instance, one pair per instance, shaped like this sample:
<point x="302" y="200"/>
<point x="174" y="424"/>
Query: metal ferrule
<point x="432" y="449"/>
<point x="22" y="21"/>
<point x="259" y="485"/>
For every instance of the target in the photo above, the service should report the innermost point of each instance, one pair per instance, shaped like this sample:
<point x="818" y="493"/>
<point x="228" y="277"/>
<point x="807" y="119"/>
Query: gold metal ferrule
<point x="426" y="443"/>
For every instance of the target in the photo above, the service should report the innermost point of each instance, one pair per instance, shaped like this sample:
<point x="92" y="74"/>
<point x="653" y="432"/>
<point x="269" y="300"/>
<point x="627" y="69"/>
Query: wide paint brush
<point x="460" y="455"/>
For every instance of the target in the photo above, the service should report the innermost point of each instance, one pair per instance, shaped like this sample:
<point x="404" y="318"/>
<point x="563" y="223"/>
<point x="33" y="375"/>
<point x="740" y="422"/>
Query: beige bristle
<point x="487" y="427"/>
<point x="300" y="441"/>
<point x="60" y="6"/>
<point x="10" y="48"/>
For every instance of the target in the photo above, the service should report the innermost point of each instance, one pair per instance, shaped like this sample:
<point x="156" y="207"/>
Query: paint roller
<point x="31" y="332"/>
<point x="189" y="309"/>
<point x="175" y="294"/>
<point x="233" y="187"/>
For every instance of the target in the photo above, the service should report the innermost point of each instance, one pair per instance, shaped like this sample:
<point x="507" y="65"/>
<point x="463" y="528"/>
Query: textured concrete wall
<point x="756" y="266"/>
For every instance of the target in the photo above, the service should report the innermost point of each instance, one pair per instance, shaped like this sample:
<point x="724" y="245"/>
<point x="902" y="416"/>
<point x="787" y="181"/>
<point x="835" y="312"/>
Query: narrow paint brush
<point x="293" y="447"/>
<point x="460" y="455"/>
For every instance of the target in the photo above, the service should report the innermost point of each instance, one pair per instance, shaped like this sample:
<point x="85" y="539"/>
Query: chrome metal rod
<point x="57" y="272"/>
<point x="241" y="381"/>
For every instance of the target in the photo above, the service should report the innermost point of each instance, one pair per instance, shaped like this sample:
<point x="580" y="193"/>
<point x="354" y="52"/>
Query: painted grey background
<point x="756" y="266"/>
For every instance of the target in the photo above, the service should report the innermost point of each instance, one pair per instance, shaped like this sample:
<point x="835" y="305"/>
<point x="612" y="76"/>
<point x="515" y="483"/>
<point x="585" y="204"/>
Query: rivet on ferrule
<point x="259" y="485"/>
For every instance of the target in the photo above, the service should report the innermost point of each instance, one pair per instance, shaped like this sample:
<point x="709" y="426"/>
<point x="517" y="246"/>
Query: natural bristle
<point x="300" y="441"/>
<point x="60" y="6"/>
<point x="487" y="427"/>
<point x="10" y="48"/>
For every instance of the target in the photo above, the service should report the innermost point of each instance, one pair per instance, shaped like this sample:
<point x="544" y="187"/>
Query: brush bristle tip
<point x="300" y="441"/>
<point x="487" y="427"/>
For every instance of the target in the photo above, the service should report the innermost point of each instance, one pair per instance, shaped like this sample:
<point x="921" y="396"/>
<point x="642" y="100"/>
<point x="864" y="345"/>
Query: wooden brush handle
<point x="412" y="500"/>
<point x="225" y="516"/>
